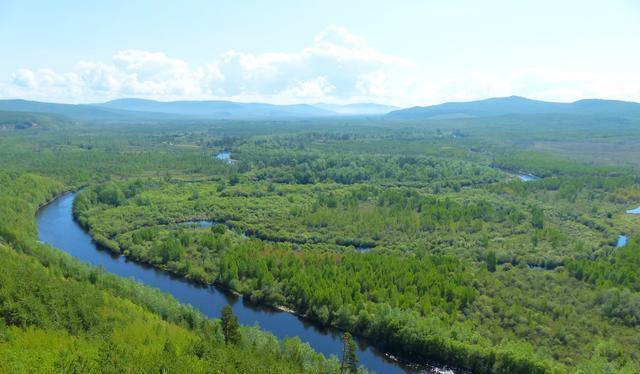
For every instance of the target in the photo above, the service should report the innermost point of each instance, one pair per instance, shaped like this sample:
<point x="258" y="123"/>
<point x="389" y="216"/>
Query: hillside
<point x="59" y="315"/>
<point x="26" y="120"/>
<point x="518" y="105"/>
<point x="78" y="112"/>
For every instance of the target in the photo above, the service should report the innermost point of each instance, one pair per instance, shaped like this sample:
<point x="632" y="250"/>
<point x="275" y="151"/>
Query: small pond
<point x="226" y="156"/>
<point x="622" y="241"/>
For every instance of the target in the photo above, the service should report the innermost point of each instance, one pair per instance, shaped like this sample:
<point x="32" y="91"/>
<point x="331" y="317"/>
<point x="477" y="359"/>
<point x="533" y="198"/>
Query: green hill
<point x="78" y="112"/>
<point x="26" y="120"/>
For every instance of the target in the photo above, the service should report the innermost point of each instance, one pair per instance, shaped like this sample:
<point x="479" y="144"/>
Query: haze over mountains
<point x="358" y="109"/>
<point x="156" y="110"/>
<point x="216" y="109"/>
<point x="140" y="109"/>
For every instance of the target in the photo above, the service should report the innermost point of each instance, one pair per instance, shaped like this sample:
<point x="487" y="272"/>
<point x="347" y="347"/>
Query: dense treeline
<point x="514" y="224"/>
<point x="306" y="168"/>
<point x="618" y="276"/>
<point x="359" y="215"/>
<point x="381" y="297"/>
<point x="91" y="330"/>
<point x="19" y="194"/>
<point x="546" y="165"/>
<point x="309" y="281"/>
<point x="324" y="213"/>
<point x="618" y="269"/>
<point x="75" y="157"/>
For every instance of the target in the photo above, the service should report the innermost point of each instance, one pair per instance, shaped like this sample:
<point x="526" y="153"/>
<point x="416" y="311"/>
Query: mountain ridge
<point x="143" y="109"/>
<point x="216" y="108"/>
<point x="517" y="105"/>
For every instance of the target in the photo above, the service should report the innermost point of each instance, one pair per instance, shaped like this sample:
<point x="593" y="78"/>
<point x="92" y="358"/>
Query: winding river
<point x="57" y="227"/>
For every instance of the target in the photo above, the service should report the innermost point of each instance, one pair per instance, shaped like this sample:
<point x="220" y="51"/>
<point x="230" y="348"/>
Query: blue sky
<point x="396" y="52"/>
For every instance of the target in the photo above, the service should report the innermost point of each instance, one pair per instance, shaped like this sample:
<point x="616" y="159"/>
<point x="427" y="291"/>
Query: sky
<point x="400" y="52"/>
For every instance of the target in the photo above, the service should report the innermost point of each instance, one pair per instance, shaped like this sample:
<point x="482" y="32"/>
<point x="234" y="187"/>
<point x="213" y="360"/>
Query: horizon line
<point x="239" y="101"/>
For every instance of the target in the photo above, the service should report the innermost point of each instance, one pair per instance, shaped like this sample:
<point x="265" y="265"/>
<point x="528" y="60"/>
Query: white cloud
<point x="24" y="78"/>
<point x="334" y="63"/>
<point x="99" y="76"/>
<point x="338" y="66"/>
<point x="315" y="89"/>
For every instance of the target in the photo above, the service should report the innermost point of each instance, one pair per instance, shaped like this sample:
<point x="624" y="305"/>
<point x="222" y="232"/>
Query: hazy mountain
<point x="519" y="105"/>
<point x="358" y="108"/>
<point x="75" y="111"/>
<point x="217" y="109"/>
<point x="141" y="109"/>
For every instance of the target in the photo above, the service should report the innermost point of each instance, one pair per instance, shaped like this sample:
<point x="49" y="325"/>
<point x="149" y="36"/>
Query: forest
<point x="418" y="235"/>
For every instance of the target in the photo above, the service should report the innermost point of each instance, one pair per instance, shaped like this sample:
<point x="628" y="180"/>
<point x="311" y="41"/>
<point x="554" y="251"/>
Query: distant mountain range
<point x="76" y="112"/>
<point x="123" y="109"/>
<point x="216" y="109"/>
<point x="140" y="109"/>
<point x="518" y="105"/>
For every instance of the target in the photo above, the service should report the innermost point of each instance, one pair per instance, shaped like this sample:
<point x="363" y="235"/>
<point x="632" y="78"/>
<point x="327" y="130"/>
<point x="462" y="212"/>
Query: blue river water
<point x="634" y="211"/>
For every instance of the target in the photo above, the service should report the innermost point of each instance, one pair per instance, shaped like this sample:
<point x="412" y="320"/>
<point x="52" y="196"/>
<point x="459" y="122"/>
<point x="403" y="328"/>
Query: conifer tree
<point x="230" y="326"/>
<point x="349" y="363"/>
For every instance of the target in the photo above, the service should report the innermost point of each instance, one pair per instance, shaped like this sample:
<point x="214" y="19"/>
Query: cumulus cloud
<point x="24" y="78"/>
<point x="338" y="66"/>
<point x="318" y="88"/>
<point x="335" y="63"/>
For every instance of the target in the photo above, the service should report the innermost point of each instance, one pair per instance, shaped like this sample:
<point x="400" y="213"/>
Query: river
<point x="57" y="227"/>
<point x="527" y="177"/>
<point x="634" y="211"/>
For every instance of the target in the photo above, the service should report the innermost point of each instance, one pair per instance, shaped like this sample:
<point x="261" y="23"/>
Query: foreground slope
<point x="58" y="315"/>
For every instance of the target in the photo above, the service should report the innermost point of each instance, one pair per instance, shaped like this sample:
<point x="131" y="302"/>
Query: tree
<point x="491" y="261"/>
<point x="230" y="326"/>
<point x="349" y="363"/>
<point x="234" y="179"/>
<point x="537" y="218"/>
<point x="171" y="250"/>
<point x="111" y="194"/>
